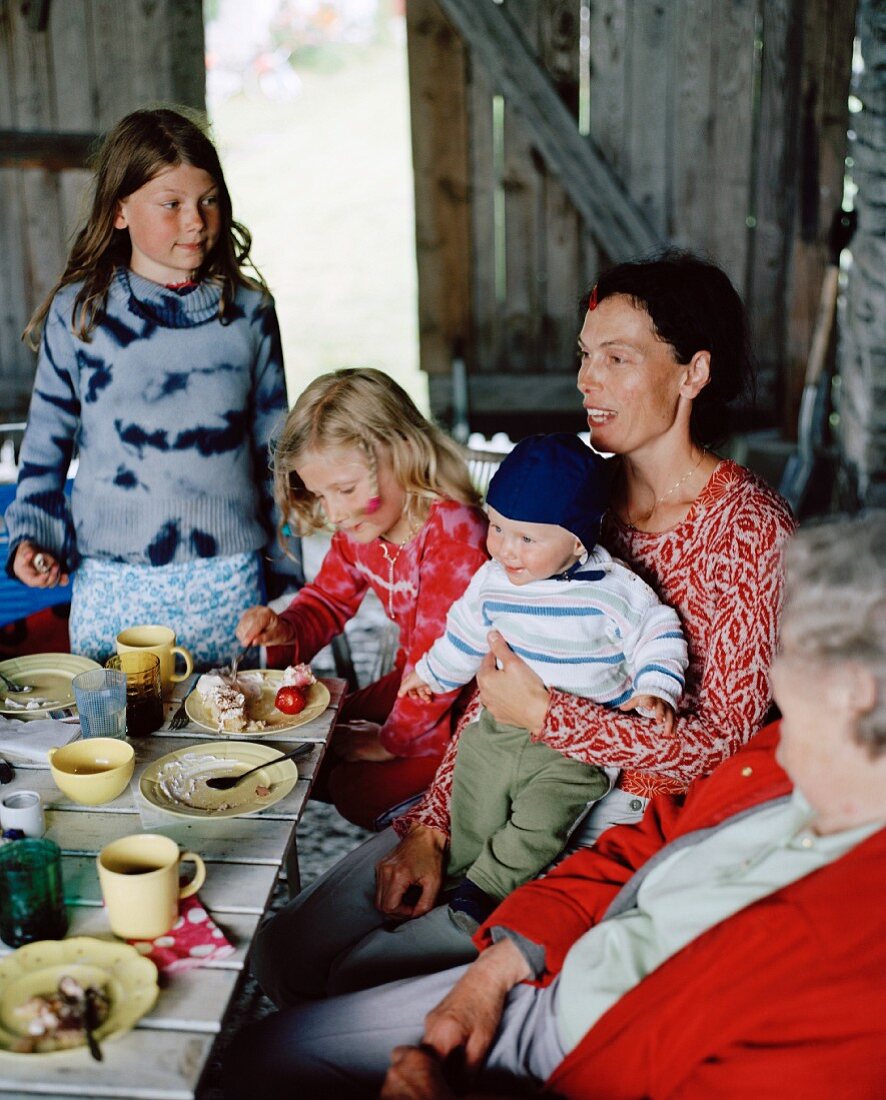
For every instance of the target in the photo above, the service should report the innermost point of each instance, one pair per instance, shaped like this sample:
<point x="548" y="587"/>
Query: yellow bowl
<point x="93" y="771"/>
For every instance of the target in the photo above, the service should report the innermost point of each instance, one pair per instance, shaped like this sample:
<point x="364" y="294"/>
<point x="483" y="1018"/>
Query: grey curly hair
<point x="835" y="603"/>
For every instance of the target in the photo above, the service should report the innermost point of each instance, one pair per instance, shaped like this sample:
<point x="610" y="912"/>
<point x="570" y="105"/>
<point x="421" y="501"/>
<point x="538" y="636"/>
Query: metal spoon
<point x="225" y="782"/>
<point x="11" y="685"/>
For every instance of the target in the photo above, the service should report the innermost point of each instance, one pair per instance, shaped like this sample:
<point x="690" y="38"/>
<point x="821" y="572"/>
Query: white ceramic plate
<point x="176" y="782"/>
<point x="263" y="709"/>
<point x="50" y="674"/>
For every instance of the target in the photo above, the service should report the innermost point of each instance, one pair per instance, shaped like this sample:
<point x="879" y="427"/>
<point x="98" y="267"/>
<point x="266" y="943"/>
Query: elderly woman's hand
<point x="417" y="862"/>
<point x="415" y="1074"/>
<point x="469" y="1014"/>
<point x="513" y="693"/>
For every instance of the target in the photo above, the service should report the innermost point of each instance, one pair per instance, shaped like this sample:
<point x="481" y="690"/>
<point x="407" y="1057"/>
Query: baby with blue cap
<point x="585" y="623"/>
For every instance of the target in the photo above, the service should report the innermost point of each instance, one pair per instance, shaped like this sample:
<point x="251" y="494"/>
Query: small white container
<point x="23" y="810"/>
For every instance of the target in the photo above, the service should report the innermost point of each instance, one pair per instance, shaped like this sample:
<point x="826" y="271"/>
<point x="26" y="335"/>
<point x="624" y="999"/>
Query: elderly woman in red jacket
<point x="729" y="943"/>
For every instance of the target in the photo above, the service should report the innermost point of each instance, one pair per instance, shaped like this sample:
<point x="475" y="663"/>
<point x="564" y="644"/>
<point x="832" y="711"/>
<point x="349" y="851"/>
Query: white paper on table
<point x="32" y="740"/>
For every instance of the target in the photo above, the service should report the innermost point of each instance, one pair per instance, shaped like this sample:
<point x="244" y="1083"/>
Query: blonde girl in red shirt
<point x="355" y="454"/>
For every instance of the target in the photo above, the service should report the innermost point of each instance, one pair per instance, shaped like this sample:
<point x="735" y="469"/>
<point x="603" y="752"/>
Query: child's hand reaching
<point x="262" y="626"/>
<point x="37" y="568"/>
<point x="414" y="686"/>
<point x="650" y="706"/>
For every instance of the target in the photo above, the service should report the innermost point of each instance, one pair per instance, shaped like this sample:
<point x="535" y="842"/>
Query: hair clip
<point x="592" y="301"/>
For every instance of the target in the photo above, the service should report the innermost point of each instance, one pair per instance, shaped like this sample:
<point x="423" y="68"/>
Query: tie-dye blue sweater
<point x="171" y="411"/>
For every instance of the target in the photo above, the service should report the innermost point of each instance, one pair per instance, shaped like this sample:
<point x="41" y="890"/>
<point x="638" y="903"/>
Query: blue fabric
<point x="553" y="479"/>
<point x="171" y="409"/>
<point x="201" y="601"/>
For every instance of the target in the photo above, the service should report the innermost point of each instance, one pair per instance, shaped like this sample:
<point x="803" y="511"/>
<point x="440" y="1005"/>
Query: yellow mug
<point x="139" y="881"/>
<point x="159" y="640"/>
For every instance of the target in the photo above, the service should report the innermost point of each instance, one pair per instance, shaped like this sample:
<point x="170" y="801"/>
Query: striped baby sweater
<point x="171" y="410"/>
<point x="604" y="636"/>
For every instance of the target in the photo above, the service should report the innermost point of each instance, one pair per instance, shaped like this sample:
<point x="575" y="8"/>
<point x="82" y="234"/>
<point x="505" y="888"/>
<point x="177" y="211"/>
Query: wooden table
<point x="165" y="1055"/>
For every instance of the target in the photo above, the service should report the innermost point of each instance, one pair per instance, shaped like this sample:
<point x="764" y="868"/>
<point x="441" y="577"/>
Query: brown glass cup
<point x="144" y="704"/>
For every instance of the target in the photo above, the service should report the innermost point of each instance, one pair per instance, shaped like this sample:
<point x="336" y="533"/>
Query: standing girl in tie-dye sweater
<point x="160" y="362"/>
<point x="355" y="454"/>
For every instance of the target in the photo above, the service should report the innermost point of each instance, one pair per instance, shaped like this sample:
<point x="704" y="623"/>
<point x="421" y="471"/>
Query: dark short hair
<point x="693" y="307"/>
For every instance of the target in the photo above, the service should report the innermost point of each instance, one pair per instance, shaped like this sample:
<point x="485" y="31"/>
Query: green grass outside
<point x="324" y="183"/>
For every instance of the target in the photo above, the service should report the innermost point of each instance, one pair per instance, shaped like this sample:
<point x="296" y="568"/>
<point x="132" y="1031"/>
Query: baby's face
<point x="530" y="551"/>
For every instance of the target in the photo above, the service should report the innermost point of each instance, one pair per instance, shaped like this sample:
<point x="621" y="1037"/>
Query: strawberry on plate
<point x="290" y="700"/>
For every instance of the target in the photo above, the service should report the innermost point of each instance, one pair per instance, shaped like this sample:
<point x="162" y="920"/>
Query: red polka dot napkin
<point x="194" y="940"/>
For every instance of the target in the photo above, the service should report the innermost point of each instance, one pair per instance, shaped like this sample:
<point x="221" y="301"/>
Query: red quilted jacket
<point x="786" y="998"/>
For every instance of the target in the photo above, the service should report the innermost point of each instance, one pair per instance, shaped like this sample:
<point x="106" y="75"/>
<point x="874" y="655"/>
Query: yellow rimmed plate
<point x="263" y="709"/>
<point x="176" y="782"/>
<point x="127" y="978"/>
<point x="50" y="674"/>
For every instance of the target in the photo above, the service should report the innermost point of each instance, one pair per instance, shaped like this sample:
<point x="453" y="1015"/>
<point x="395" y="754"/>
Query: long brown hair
<point x="367" y="410"/>
<point x="142" y="144"/>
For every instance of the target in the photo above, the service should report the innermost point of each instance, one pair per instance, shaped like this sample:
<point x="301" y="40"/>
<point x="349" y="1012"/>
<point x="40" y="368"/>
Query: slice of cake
<point x="223" y="703"/>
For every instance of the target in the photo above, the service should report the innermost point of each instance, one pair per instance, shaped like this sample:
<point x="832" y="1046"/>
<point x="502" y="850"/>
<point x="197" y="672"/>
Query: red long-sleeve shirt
<point x="720" y="569"/>
<point x="416" y="583"/>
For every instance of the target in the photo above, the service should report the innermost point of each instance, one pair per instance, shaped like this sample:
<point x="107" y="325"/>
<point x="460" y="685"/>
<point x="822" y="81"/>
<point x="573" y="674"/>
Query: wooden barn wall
<point x="94" y="61"/>
<point x="725" y="122"/>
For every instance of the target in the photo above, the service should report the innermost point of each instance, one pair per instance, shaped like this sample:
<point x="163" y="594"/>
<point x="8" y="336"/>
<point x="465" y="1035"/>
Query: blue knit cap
<point x="553" y="479"/>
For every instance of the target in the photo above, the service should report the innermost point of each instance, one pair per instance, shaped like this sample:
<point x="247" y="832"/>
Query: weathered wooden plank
<point x="523" y="186"/>
<point x="440" y="158"/>
<point x="650" y="47"/>
<point x="828" y="30"/>
<point x="541" y="393"/>
<point x="732" y="147"/>
<point x="771" y="202"/>
<point x="186" y="49"/>
<point x="92" y="921"/>
<point x="608" y="80"/>
<point x="232" y="839"/>
<point x="73" y="66"/>
<point x="44" y="149"/>
<point x="566" y="240"/>
<point x="125" y="805"/>
<point x="229" y="887"/>
<point x="691" y="168"/>
<point x="143" y="1065"/>
<point x="485" y="246"/>
<point x="589" y="180"/>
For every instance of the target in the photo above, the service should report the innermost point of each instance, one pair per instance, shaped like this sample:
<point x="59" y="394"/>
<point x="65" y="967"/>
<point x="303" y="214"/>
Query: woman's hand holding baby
<point x="509" y="689"/>
<point x="37" y="568"/>
<point x="650" y="706"/>
<point x="262" y="626"/>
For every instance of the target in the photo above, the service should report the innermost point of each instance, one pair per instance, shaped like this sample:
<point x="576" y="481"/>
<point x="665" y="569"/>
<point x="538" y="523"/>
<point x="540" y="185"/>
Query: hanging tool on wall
<point x="815" y="399"/>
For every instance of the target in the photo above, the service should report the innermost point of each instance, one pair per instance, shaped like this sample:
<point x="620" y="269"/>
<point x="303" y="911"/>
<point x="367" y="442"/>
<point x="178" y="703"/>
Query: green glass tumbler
<point x="32" y="903"/>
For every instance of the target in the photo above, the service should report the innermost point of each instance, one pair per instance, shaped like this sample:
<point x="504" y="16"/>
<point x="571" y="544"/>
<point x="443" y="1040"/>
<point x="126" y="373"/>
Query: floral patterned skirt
<point x="200" y="600"/>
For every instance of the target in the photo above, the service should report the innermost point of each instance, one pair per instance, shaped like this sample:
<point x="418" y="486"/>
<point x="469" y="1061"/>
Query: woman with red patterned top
<point x="664" y="351"/>
<point x="356" y="453"/>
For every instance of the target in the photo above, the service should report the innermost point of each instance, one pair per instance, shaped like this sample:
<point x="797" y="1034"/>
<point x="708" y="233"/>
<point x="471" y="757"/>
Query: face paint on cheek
<point x="372" y="505"/>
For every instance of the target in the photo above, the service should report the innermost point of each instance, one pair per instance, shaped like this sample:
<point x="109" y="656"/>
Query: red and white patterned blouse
<point x="720" y="569"/>
<point x="417" y="584"/>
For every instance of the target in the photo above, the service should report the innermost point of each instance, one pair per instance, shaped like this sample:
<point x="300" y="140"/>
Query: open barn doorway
<point x="309" y="101"/>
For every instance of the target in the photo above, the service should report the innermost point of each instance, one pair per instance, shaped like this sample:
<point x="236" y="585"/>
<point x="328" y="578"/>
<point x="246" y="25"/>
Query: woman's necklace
<point x="664" y="496"/>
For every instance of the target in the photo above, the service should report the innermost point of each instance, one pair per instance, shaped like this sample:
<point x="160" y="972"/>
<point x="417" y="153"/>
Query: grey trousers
<point x="331" y="939"/>
<point x="340" y="1048"/>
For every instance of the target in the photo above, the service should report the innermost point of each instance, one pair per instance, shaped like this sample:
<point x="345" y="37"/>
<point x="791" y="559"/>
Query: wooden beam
<point x="593" y="187"/>
<point x="510" y="393"/>
<point x="44" y="149"/>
